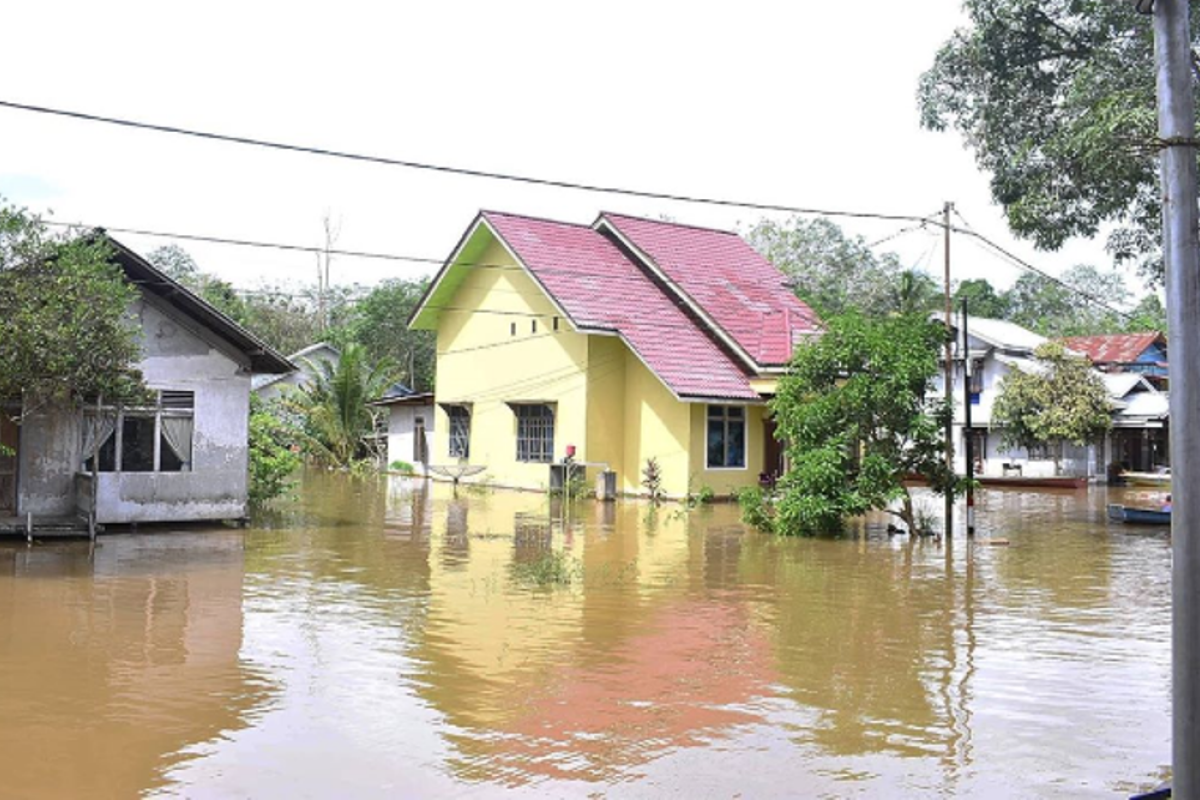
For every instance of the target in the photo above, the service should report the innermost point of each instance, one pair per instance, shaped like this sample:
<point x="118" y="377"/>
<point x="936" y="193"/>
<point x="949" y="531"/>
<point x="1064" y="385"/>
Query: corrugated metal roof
<point x="1114" y="348"/>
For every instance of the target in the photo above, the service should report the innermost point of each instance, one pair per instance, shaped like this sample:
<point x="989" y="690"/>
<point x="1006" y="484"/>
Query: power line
<point x="442" y="168"/>
<point x="194" y="237"/>
<point x="1023" y="264"/>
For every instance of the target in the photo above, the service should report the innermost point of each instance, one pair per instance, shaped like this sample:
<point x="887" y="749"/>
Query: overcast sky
<point x="803" y="103"/>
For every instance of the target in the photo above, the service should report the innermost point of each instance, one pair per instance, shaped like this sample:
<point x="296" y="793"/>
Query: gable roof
<point x="999" y="333"/>
<point x="725" y="281"/>
<point x="320" y="351"/>
<point x="1114" y="348"/>
<point x="144" y="275"/>
<point x="600" y="289"/>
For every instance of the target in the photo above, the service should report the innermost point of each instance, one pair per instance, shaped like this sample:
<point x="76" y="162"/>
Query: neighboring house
<point x="996" y="347"/>
<point x="272" y="387"/>
<point x="1139" y="440"/>
<point x="182" y="457"/>
<point x="627" y="340"/>
<point x="1143" y="353"/>
<point x="409" y="426"/>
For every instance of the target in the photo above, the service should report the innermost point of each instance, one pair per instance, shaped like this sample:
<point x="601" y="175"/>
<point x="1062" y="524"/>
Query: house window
<point x="533" y="326"/>
<point x="556" y="323"/>
<point x="726" y="437"/>
<point x="1039" y="452"/>
<point x="460" y="431"/>
<point x="535" y="433"/>
<point x="155" y="438"/>
<point x="975" y="385"/>
<point x="512" y="329"/>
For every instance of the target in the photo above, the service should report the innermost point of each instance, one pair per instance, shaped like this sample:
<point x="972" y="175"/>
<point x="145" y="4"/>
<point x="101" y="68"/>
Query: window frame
<point x="452" y="438"/>
<point x="723" y="415"/>
<point x="535" y="432"/>
<point x="168" y="403"/>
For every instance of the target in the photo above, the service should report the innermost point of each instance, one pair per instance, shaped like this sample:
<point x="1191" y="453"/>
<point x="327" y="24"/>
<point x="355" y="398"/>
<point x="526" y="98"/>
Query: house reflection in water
<point x="633" y="660"/>
<point x="114" y="665"/>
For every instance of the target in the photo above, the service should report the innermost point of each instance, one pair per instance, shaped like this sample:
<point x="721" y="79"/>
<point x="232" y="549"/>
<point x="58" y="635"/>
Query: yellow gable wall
<point x="482" y="362"/>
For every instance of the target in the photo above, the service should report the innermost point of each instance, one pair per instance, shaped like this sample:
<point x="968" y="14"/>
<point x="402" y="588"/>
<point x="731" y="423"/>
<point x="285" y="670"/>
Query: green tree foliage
<point x="273" y="457"/>
<point x="834" y="272"/>
<point x="379" y="322"/>
<point x="1049" y="308"/>
<point x="1056" y="98"/>
<point x="65" y="328"/>
<point x="857" y="416"/>
<point x="337" y="420"/>
<point x="1148" y="315"/>
<point x="1063" y="401"/>
<point x="982" y="299"/>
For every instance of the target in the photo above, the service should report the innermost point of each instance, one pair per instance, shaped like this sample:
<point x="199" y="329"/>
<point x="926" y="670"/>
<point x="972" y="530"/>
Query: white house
<point x="181" y="456"/>
<point x="410" y="427"/>
<point x="995" y="348"/>
<point x="271" y="387"/>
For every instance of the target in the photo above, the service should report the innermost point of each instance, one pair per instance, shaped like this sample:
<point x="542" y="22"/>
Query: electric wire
<point x="446" y="169"/>
<point x="1016" y="260"/>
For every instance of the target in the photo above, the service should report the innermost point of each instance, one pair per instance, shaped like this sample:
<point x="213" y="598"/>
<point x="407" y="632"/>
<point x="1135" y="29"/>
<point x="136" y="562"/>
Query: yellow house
<point x="625" y="340"/>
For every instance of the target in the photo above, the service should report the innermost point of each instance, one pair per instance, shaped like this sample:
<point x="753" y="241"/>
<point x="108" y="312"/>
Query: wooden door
<point x="9" y="439"/>
<point x="773" y="466"/>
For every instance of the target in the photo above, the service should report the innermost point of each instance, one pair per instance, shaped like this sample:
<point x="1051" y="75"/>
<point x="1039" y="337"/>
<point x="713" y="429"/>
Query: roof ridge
<point x="672" y="223"/>
<point x="484" y="212"/>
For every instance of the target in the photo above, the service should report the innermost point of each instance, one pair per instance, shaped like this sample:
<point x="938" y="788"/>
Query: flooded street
<point x="370" y="640"/>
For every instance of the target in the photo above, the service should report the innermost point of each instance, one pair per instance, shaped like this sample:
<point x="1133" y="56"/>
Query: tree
<point x="916" y="292"/>
<point x="1048" y="307"/>
<point x="1062" y="401"/>
<point x="65" y="329"/>
<point x="1056" y="97"/>
<point x="857" y="417"/>
<point x="379" y="322"/>
<point x="337" y="419"/>
<point x="982" y="299"/>
<point x="830" y="271"/>
<point x="1148" y="315"/>
<point x="177" y="264"/>
<point x="272" y="455"/>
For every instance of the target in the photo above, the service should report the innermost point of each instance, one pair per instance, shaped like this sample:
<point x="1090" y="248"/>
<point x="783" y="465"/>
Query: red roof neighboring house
<point x="1116" y="348"/>
<point x="699" y="307"/>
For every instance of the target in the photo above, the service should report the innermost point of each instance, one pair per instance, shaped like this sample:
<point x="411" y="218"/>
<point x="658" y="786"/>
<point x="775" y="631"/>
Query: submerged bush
<point x="553" y="568"/>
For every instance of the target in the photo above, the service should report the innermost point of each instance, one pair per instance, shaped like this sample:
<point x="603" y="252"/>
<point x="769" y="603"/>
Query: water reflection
<point x="670" y="652"/>
<point x="115" y="662"/>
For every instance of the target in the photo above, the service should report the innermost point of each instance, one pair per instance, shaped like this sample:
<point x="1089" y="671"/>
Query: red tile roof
<point x="725" y="279"/>
<point x="600" y="288"/>
<point x="1115" y="348"/>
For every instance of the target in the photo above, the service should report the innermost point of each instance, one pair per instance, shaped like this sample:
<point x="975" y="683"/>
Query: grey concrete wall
<point x="47" y="461"/>
<point x="180" y="356"/>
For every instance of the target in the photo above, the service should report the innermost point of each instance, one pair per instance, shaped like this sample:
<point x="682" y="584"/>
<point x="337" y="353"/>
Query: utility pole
<point x="968" y="434"/>
<point x="1181" y="254"/>
<point x="948" y="374"/>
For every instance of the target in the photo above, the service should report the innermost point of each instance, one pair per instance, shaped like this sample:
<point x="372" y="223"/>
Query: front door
<point x="773" y="466"/>
<point x="9" y="438"/>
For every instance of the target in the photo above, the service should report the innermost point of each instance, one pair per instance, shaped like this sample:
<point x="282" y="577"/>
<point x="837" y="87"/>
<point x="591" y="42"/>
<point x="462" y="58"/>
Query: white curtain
<point x="178" y="433"/>
<point x="97" y="429"/>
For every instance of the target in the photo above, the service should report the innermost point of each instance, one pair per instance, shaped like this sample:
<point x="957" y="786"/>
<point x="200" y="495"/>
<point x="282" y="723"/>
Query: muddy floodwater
<point x="381" y="639"/>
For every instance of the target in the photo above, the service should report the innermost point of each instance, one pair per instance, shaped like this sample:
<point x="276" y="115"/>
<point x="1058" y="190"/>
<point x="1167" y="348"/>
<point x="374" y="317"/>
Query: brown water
<point x="371" y="641"/>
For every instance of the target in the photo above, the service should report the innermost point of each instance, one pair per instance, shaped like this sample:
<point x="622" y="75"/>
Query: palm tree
<point x="338" y="421"/>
